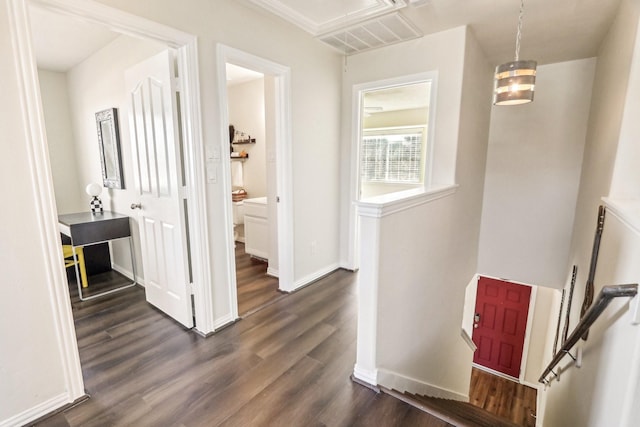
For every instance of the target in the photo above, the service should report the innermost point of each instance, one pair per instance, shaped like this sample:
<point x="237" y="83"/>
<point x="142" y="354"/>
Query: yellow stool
<point x="69" y="260"/>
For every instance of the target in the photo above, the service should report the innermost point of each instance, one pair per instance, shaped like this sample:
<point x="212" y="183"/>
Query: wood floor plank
<point x="287" y="364"/>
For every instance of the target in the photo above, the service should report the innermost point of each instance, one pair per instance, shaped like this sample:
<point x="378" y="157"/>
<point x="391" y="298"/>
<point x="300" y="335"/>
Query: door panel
<point x="150" y="85"/>
<point x="500" y="329"/>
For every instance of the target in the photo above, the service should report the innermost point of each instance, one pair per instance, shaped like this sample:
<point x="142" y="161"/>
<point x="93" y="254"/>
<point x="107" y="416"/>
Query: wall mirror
<point x="109" y="143"/>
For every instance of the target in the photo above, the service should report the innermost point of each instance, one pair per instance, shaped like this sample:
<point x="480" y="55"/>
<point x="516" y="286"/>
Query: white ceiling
<point x="237" y="75"/>
<point x="554" y="30"/>
<point x="61" y="42"/>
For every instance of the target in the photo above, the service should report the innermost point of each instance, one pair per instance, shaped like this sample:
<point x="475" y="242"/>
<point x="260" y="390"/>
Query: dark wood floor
<point x="285" y="365"/>
<point x="507" y="399"/>
<point x="255" y="288"/>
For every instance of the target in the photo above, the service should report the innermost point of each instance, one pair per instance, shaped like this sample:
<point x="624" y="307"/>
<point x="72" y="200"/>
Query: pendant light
<point x="515" y="81"/>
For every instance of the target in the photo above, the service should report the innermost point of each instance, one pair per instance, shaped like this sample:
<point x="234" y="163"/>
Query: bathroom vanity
<point x="256" y="227"/>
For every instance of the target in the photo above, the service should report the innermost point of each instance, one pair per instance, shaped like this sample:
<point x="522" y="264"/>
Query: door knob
<point x="136" y="206"/>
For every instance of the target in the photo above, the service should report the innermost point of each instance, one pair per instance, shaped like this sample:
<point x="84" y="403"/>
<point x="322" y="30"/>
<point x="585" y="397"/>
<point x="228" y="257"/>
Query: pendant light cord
<point x="519" y="34"/>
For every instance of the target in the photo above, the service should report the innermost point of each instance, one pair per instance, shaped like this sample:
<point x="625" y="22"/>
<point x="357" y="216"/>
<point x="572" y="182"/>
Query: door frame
<point x="527" y="333"/>
<point x="187" y="54"/>
<point x="284" y="187"/>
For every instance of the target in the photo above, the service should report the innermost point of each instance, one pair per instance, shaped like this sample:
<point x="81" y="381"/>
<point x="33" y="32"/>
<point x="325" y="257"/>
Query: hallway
<point x="287" y="364"/>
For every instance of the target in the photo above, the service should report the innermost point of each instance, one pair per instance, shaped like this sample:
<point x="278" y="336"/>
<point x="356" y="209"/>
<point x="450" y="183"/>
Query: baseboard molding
<point x="310" y="278"/>
<point x="401" y="383"/>
<point x="347" y="266"/>
<point x="127" y="273"/>
<point x="496" y="373"/>
<point x="273" y="272"/>
<point x="222" y="323"/>
<point x="41" y="410"/>
<point x="368" y="376"/>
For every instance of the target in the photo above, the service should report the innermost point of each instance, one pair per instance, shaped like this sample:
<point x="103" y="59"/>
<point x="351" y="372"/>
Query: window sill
<point x="627" y="210"/>
<point x="388" y="204"/>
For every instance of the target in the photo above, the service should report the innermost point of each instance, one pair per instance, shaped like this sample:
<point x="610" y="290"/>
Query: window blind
<point x="392" y="157"/>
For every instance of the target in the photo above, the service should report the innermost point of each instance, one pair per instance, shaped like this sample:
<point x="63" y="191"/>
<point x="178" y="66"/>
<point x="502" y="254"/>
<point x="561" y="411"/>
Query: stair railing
<point x="606" y="295"/>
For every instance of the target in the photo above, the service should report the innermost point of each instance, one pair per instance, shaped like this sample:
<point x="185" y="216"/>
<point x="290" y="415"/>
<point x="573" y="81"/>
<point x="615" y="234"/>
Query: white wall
<point x="31" y="368"/>
<point x="533" y="172"/>
<point x="70" y="195"/>
<point x="247" y="114"/>
<point x="427" y="254"/>
<point x="605" y="389"/>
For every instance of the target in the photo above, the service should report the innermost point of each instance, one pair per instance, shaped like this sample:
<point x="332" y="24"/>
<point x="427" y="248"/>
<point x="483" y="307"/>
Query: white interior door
<point x="152" y="120"/>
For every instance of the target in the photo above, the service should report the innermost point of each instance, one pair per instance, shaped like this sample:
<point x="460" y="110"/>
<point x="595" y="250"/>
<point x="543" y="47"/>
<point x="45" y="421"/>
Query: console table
<point x="88" y="228"/>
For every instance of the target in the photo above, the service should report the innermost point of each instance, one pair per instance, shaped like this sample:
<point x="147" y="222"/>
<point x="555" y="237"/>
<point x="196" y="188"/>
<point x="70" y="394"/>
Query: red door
<point x="499" y="325"/>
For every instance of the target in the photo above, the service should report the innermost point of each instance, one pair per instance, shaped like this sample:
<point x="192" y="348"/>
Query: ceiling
<point x="553" y="31"/>
<point x="237" y="75"/>
<point x="61" y="42"/>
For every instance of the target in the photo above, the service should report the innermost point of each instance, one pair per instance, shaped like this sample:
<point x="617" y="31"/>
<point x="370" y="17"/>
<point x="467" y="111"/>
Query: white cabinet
<point x="256" y="227"/>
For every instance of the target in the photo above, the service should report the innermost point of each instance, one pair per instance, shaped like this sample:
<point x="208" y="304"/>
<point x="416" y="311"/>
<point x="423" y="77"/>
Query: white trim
<point x="222" y="322"/>
<point x="38" y="411"/>
<point x="195" y="174"/>
<point x="367" y="314"/>
<point x="310" y="278"/>
<point x="318" y="28"/>
<point x="353" y="243"/>
<point x="388" y="204"/>
<point x="401" y="383"/>
<point x="40" y="168"/>
<point x="273" y="272"/>
<point x="186" y="45"/>
<point x="467" y="339"/>
<point x="117" y="21"/>
<point x="626" y="210"/>
<point x="369" y="376"/>
<point x="284" y="171"/>
<point x="527" y="333"/>
<point x="128" y="274"/>
<point x="496" y="373"/>
<point x="43" y="196"/>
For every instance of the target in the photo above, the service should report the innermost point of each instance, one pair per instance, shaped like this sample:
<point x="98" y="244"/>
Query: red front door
<point x="499" y="325"/>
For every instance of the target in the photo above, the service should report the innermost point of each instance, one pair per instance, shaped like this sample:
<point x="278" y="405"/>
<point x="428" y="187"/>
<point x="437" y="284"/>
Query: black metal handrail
<point x="605" y="296"/>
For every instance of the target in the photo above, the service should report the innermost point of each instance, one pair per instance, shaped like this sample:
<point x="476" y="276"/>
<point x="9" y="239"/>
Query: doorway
<point x="253" y="195"/>
<point x="271" y="215"/>
<point x="500" y="325"/>
<point x="187" y="60"/>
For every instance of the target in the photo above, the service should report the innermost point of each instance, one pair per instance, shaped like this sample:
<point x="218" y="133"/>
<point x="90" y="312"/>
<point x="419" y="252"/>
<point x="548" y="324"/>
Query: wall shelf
<point x="248" y="141"/>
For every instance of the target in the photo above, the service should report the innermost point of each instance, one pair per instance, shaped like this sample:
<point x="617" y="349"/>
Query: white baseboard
<point x="401" y="383"/>
<point x="367" y="375"/>
<point x="310" y="278"/>
<point x="273" y="272"/>
<point x="127" y="273"/>
<point x="37" y="411"/>
<point x="222" y="322"/>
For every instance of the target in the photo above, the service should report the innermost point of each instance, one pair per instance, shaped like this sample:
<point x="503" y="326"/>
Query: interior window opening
<point x="394" y="142"/>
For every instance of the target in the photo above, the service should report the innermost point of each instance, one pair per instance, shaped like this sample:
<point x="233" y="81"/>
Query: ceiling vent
<point x="372" y="34"/>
